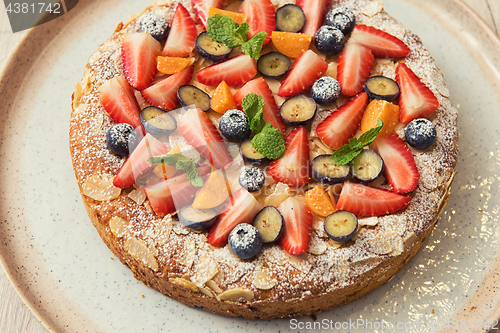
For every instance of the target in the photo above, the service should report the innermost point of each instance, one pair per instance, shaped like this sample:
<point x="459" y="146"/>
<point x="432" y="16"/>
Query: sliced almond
<point x="140" y="252"/>
<point x="235" y="294"/>
<point x="324" y="149"/>
<point x="369" y="221"/>
<point x="186" y="284"/>
<point x="332" y="69"/>
<point x="334" y="244"/>
<point x="262" y="279"/>
<point x="214" y="286"/>
<point x="206" y="269"/>
<point x="317" y="246"/>
<point x="188" y="254"/>
<point x="97" y="123"/>
<point x="409" y="239"/>
<point x="138" y="195"/>
<point x="206" y="292"/>
<point x="118" y="226"/>
<point x="302" y="262"/>
<point x="100" y="188"/>
<point x="280" y="194"/>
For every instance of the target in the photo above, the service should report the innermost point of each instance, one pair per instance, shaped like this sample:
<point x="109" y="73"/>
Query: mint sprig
<point x="180" y="162"/>
<point x="355" y="146"/>
<point x="253" y="106"/>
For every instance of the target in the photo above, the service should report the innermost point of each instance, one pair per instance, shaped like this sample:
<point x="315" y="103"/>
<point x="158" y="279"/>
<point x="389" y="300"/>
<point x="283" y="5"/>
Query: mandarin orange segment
<point x="167" y="171"/>
<point x="237" y="17"/>
<point x="222" y="99"/>
<point x="213" y="193"/>
<point x="387" y="112"/>
<point x="319" y="202"/>
<point x="172" y="65"/>
<point x="291" y="44"/>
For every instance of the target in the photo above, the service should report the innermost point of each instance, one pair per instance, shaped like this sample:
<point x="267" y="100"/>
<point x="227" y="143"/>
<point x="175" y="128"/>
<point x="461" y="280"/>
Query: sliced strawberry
<point x="182" y="36"/>
<point x="298" y="223"/>
<point x="169" y="195"/>
<point x="201" y="133"/>
<point x="306" y="69"/>
<point x="163" y="94"/>
<point x="260" y="17"/>
<point x="137" y="163"/>
<point x="416" y="99"/>
<point x="341" y="125"/>
<point x="382" y="44"/>
<point x="399" y="164"/>
<point x="201" y="9"/>
<point x="364" y="200"/>
<point x="119" y="101"/>
<point x="293" y="168"/>
<point x="139" y="52"/>
<point x="235" y="71"/>
<point x="315" y="11"/>
<point x="271" y="111"/>
<point x="241" y="208"/>
<point x="355" y="64"/>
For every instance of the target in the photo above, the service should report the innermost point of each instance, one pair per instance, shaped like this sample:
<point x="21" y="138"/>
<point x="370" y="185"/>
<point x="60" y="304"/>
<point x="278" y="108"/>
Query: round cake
<point x="289" y="160"/>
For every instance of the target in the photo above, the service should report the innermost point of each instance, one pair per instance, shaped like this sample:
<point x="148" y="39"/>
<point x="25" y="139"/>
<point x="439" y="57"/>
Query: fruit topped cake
<point x="263" y="158"/>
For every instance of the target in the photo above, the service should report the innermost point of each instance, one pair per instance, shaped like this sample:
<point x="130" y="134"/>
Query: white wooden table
<point x="14" y="315"/>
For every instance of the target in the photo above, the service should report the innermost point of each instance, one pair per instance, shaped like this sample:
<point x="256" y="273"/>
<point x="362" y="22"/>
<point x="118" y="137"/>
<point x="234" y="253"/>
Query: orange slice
<point x="222" y="99"/>
<point x="237" y="17"/>
<point x="172" y="65"/>
<point x="213" y="193"/>
<point x="167" y="171"/>
<point x="319" y="202"/>
<point x="290" y="44"/>
<point x="387" y="112"/>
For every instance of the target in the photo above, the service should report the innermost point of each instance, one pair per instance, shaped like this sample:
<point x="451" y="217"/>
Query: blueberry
<point x="325" y="90"/>
<point x="245" y="241"/>
<point x="156" y="25"/>
<point x="252" y="179"/>
<point x="121" y="139"/>
<point x="234" y="125"/>
<point x="420" y="133"/>
<point x="329" y="40"/>
<point x="341" y="18"/>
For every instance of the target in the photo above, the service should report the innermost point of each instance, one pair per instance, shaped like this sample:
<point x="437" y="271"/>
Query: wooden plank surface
<point x="14" y="314"/>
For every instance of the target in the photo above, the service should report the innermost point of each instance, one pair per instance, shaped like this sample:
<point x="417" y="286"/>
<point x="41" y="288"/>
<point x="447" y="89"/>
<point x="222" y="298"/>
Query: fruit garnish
<point x="420" y="133"/>
<point x="252" y="179"/>
<point x="383" y="110"/>
<point x="236" y="17"/>
<point x="196" y="219"/>
<point x="260" y="17"/>
<point x="293" y="168"/>
<point x="213" y="193"/>
<point x="367" y="166"/>
<point x="245" y="241"/>
<point x="341" y="18"/>
<point x="269" y="142"/>
<point x="139" y="52"/>
<point x="400" y="169"/>
<point x="354" y="66"/>
<point x="234" y="125"/>
<point x="253" y="106"/>
<point x="182" y="36"/>
<point x="241" y="208"/>
<point x="189" y="95"/>
<point x="155" y="24"/>
<point x="298" y="110"/>
<point x="306" y="69"/>
<point x="291" y="44"/>
<point x="298" y="223"/>
<point x="163" y="94"/>
<point x="319" y="202"/>
<point x="364" y="200"/>
<point x="382" y="44"/>
<point x="235" y="71"/>
<point x="211" y="49"/>
<point x="181" y="163"/>
<point x="222" y="99"/>
<point x="325" y="171"/>
<point x="341" y="125"/>
<point x="416" y="99"/>
<point x="118" y="99"/>
<point x="274" y="65"/>
<point x="315" y="11"/>
<point x="329" y="40"/>
<point x="270" y="223"/>
<point x="250" y="155"/>
<point x="121" y="139"/>
<point x="157" y="122"/>
<point x="202" y="7"/>
<point x="341" y="226"/>
<point x="381" y="87"/>
<point x="325" y="90"/>
<point x="172" y="65"/>
<point x="290" y="18"/>
<point x="164" y="170"/>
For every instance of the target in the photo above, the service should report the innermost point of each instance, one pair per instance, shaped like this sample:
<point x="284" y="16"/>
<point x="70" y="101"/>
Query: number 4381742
<point x="34" y="8"/>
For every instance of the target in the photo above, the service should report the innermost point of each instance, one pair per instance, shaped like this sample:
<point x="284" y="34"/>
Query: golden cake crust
<point x="181" y="264"/>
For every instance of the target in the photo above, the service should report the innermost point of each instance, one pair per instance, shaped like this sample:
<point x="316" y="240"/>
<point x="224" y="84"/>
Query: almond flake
<point x="263" y="279"/>
<point x="118" y="226"/>
<point x="370" y="221"/>
<point x="206" y="269"/>
<point x="317" y="246"/>
<point x="183" y="283"/>
<point x="206" y="292"/>
<point x="100" y="188"/>
<point x="140" y="252"/>
<point x="138" y="195"/>
<point x="235" y="294"/>
<point x="214" y="286"/>
<point x="280" y="194"/>
<point x="189" y="253"/>
<point x="97" y="124"/>
<point x="302" y="262"/>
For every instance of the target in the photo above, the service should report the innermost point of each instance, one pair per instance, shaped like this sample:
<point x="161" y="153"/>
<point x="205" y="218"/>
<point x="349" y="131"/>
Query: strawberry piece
<point x="364" y="200"/>
<point x="241" y="208"/>
<point x="139" y="52"/>
<point x="293" y="168"/>
<point x="201" y="133"/>
<point x="260" y="17"/>
<point x="354" y="66"/>
<point x="382" y="44"/>
<point x="298" y="224"/>
<point x="235" y="71"/>
<point x="182" y="36"/>
<point x="341" y="125"/>
<point x="306" y="69"/>
<point x="201" y="8"/>
<point x="416" y="99"/>
<point x="271" y="111"/>
<point x="399" y="164"/>
<point x="315" y="11"/>
<point x="163" y="94"/>
<point x="137" y="163"/>
<point x="119" y="101"/>
<point x="169" y="195"/>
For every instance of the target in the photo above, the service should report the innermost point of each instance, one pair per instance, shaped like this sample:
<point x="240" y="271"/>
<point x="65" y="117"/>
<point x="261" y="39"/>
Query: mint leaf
<point x="269" y="142"/>
<point x="355" y="146"/>
<point x="180" y="162"/>
<point x="253" y="105"/>
<point x="242" y="31"/>
<point x="253" y="46"/>
<point x="223" y="29"/>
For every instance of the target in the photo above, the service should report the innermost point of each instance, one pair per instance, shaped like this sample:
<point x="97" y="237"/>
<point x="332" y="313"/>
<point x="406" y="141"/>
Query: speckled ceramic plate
<point x="70" y="280"/>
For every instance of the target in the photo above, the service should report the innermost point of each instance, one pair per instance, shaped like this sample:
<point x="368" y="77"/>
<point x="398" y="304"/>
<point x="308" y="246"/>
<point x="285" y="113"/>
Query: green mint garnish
<point x="355" y="146"/>
<point x="253" y="46"/>
<point x="180" y="162"/>
<point x="253" y="105"/>
<point x="269" y="142"/>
